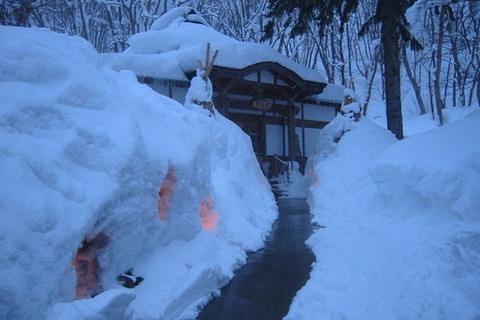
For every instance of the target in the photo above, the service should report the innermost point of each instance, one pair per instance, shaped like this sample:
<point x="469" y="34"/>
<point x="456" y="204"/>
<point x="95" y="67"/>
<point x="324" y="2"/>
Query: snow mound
<point x="331" y="134"/>
<point x="401" y="221"/>
<point x="84" y="151"/>
<point x="439" y="168"/>
<point x="177" y="15"/>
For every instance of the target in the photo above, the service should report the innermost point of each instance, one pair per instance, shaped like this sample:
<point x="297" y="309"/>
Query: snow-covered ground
<point x="401" y="236"/>
<point x="84" y="151"/>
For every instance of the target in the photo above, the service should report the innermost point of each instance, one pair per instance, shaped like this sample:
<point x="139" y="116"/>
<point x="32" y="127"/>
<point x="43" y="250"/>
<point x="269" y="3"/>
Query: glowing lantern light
<point x="208" y="214"/>
<point x="165" y="194"/>
<point x="314" y="176"/>
<point x="87" y="267"/>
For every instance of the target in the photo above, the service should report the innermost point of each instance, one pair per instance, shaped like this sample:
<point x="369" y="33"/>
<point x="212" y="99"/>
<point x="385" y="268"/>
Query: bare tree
<point x="437" y="56"/>
<point x="239" y="19"/>
<point x="415" y="84"/>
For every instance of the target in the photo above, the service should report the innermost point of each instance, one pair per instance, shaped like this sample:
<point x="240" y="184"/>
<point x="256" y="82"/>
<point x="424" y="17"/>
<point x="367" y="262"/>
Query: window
<point x="257" y="134"/>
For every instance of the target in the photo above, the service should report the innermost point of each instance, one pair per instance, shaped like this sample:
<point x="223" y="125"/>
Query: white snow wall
<point x="85" y="149"/>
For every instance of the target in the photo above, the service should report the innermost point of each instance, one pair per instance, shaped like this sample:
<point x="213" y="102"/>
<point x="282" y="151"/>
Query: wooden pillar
<point x="170" y="90"/>
<point x="283" y="136"/>
<point x="292" y="144"/>
<point x="225" y="104"/>
<point x="264" y="134"/>
<point x="222" y="101"/>
<point x="303" y="130"/>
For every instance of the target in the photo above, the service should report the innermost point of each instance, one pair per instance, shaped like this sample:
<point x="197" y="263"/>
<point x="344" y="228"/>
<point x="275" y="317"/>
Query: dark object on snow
<point x="128" y="280"/>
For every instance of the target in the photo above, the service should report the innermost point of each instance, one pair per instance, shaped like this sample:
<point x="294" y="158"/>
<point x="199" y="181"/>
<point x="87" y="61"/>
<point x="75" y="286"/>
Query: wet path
<point x="263" y="289"/>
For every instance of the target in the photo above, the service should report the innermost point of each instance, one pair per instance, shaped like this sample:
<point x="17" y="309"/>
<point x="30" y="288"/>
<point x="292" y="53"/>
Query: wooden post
<point x="208" y="105"/>
<point x="303" y="130"/>
<point x="208" y="64"/>
<point x="292" y="144"/>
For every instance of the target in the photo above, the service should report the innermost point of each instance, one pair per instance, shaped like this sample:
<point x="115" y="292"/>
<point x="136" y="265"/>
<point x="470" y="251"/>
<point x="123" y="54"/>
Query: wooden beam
<point x="247" y="105"/>
<point x="251" y="88"/>
<point x="252" y="118"/>
<point x="287" y="75"/>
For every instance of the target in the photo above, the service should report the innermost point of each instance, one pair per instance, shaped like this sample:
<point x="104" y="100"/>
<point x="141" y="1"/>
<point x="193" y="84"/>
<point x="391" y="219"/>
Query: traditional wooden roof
<point x="285" y="84"/>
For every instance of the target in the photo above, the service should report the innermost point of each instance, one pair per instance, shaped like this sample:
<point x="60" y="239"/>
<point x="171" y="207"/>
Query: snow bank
<point x="401" y="236"/>
<point x="437" y="169"/>
<point x="84" y="151"/>
<point x="414" y="123"/>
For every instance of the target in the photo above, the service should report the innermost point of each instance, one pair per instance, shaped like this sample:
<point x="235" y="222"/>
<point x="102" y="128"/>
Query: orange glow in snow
<point x="165" y="194"/>
<point x="208" y="214"/>
<point x="87" y="266"/>
<point x="314" y="176"/>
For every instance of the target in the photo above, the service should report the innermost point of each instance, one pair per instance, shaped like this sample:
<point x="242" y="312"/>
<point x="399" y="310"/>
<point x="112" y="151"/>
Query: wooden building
<point x="280" y="104"/>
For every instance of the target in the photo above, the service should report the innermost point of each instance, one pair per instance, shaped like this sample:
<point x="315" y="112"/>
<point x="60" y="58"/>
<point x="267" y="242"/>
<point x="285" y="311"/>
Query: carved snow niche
<point x="165" y="194"/>
<point x="87" y="266"/>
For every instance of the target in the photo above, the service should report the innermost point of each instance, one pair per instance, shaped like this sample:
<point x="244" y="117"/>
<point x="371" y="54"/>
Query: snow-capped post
<point x="201" y="90"/>
<point x="208" y="64"/>
<point x="352" y="107"/>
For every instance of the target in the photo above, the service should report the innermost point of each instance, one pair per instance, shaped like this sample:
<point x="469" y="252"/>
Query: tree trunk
<point x="438" y="66"/>
<point x="372" y="70"/>
<point x="470" y="95"/>
<point x="84" y="31"/>
<point x="342" y="59"/>
<point x="478" y="90"/>
<point x="350" y="54"/>
<point x="456" y="68"/>
<point x="324" y="56"/>
<point x="430" y="86"/>
<point x="413" y="81"/>
<point x="445" y="84"/>
<point x="391" y="54"/>
<point x="333" y="57"/>
<point x="382" y="72"/>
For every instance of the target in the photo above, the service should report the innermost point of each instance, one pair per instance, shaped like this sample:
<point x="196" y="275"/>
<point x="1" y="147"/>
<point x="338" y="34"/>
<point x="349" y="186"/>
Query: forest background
<point x="446" y="72"/>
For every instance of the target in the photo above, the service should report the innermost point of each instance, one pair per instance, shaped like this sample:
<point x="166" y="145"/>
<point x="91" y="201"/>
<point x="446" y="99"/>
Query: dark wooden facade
<point x="268" y="94"/>
<point x="261" y="97"/>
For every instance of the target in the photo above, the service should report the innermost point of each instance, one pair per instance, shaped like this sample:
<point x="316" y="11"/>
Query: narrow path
<point x="263" y="289"/>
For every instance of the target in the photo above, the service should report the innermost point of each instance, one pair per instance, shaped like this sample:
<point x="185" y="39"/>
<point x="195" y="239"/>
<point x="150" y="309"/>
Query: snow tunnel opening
<point x="87" y="265"/>
<point x="165" y="194"/>
<point x="208" y="214"/>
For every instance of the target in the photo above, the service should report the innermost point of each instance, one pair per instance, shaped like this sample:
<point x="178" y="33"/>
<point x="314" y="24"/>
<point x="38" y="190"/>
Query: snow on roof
<point x="331" y="93"/>
<point x="178" y="39"/>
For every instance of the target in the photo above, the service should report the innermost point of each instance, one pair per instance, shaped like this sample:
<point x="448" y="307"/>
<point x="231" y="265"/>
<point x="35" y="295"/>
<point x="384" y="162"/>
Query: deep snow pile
<point x="402" y="224"/>
<point x="85" y="150"/>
